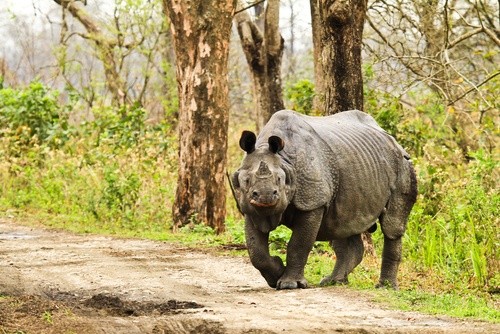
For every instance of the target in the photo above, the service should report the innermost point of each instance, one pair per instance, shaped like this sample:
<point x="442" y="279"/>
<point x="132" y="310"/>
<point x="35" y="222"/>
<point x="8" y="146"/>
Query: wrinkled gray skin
<point x="327" y="179"/>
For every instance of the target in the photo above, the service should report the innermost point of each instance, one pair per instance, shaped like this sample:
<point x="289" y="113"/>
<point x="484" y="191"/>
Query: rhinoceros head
<point x="262" y="186"/>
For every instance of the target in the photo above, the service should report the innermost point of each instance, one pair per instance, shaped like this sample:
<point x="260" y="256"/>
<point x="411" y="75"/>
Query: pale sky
<point x="32" y="9"/>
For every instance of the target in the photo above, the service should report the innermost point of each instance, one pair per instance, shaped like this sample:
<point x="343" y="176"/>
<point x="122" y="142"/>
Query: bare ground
<point x="58" y="282"/>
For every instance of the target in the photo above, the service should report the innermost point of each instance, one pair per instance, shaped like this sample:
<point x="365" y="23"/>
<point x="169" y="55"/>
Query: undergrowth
<point x="117" y="175"/>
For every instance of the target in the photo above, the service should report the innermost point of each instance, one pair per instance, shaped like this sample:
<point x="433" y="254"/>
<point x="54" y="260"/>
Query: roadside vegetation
<point x="116" y="175"/>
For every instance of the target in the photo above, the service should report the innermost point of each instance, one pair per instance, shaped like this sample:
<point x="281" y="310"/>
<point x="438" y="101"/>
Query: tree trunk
<point x="263" y="52"/>
<point x="201" y="34"/>
<point x="337" y="36"/>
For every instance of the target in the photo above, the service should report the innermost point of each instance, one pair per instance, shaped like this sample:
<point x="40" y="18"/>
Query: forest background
<point x="93" y="148"/>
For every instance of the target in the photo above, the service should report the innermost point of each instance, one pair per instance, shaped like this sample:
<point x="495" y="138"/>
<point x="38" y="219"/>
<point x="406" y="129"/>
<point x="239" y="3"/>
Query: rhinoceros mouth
<point x="263" y="204"/>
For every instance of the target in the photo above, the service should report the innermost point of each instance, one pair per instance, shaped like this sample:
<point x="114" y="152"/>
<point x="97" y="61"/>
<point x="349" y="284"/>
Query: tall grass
<point x="454" y="228"/>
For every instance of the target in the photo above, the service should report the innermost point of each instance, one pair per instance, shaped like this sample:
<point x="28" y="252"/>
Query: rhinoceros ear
<point x="247" y="141"/>
<point x="276" y="144"/>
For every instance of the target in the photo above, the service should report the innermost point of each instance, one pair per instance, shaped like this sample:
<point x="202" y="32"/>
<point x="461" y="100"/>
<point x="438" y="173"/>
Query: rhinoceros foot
<point x="387" y="284"/>
<point x="274" y="272"/>
<point x="292" y="284"/>
<point x="330" y="280"/>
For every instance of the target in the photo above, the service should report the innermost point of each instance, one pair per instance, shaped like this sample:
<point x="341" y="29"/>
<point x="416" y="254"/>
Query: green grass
<point x="464" y="304"/>
<point x="427" y="297"/>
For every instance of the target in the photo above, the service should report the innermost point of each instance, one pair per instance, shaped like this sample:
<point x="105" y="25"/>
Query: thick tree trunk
<point x="337" y="36"/>
<point x="263" y="51"/>
<point x="201" y="34"/>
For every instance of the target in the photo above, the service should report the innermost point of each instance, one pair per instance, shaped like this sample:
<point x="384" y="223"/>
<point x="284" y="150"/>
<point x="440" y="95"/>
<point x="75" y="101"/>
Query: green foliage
<point x="121" y="189"/>
<point x="235" y="230"/>
<point x="123" y="127"/>
<point x="386" y="110"/>
<point x="470" y="305"/>
<point x="170" y="101"/>
<point x="278" y="239"/>
<point x="115" y="174"/>
<point x="32" y="116"/>
<point x="198" y="228"/>
<point x="301" y="96"/>
<point x="454" y="226"/>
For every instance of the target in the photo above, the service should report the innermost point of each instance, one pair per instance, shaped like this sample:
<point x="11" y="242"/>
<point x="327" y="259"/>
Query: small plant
<point x="47" y="317"/>
<point x="198" y="228"/>
<point x="121" y="190"/>
<point x="279" y="238"/>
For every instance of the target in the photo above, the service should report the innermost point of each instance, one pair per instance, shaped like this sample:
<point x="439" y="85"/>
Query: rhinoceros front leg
<point x="305" y="229"/>
<point x="271" y="267"/>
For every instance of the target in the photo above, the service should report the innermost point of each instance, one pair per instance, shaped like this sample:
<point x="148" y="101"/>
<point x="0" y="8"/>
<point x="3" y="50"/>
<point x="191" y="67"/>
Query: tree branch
<point x="474" y="88"/>
<point x="104" y="46"/>
<point x="464" y="37"/>
<point x="492" y="35"/>
<point x="249" y="6"/>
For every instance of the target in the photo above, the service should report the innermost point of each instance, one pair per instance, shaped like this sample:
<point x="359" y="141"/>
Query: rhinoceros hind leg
<point x="393" y="223"/>
<point x="349" y="254"/>
<point x="391" y="257"/>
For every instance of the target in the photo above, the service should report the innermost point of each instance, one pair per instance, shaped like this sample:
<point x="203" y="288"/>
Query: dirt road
<point x="58" y="282"/>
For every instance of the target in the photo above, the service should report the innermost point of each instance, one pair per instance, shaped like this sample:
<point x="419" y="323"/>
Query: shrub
<point x="32" y="115"/>
<point x="301" y="96"/>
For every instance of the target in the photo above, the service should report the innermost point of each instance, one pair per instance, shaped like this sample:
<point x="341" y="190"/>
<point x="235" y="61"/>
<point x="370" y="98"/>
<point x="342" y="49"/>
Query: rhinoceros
<point x="327" y="179"/>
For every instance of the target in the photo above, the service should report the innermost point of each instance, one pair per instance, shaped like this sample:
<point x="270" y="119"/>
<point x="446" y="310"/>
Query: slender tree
<point x="201" y="33"/>
<point x="128" y="49"/>
<point x="263" y="47"/>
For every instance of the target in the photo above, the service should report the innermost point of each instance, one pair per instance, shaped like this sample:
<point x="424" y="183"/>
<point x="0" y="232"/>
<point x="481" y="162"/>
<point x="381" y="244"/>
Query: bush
<point x="124" y="127"/>
<point x="33" y="116"/>
<point x="113" y="174"/>
<point x="454" y="225"/>
<point x="301" y="96"/>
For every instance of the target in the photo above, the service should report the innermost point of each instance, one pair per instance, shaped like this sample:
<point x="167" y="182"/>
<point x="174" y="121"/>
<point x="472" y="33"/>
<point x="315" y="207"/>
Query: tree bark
<point x="201" y="35"/>
<point x="337" y="37"/>
<point x="264" y="52"/>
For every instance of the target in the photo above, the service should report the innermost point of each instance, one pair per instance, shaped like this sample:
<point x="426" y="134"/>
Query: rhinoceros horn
<point x="264" y="170"/>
